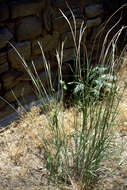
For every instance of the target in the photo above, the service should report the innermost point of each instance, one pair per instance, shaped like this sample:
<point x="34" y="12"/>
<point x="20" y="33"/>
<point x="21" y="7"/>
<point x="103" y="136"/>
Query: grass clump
<point x="73" y="153"/>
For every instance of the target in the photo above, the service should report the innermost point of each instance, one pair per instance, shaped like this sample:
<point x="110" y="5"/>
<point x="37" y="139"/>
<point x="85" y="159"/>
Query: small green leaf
<point x="78" y="88"/>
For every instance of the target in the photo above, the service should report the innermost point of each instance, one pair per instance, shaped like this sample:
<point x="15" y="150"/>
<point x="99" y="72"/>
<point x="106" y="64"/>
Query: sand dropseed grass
<point x="73" y="154"/>
<point x="74" y="147"/>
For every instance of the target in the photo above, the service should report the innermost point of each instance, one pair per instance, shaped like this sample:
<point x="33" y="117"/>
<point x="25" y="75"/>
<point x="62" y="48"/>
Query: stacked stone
<point x="25" y="23"/>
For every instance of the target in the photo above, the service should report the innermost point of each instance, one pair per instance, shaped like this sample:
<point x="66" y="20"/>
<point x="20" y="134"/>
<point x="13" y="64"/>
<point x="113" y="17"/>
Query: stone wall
<point x="24" y="23"/>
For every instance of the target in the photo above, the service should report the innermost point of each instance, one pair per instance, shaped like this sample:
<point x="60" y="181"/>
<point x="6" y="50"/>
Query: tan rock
<point x="25" y="77"/>
<point x="47" y="18"/>
<point x="3" y="62"/>
<point x="36" y="50"/>
<point x="26" y="8"/>
<point x="69" y="54"/>
<point x="60" y="24"/>
<point x="49" y="43"/>
<point x="10" y="79"/>
<point x="38" y="62"/>
<point x="4" y="67"/>
<point x="2" y="104"/>
<point x="123" y="112"/>
<point x="21" y="90"/>
<point x="68" y="40"/>
<point x="43" y="79"/>
<point x="24" y="50"/>
<point x="3" y="58"/>
<point x="28" y="28"/>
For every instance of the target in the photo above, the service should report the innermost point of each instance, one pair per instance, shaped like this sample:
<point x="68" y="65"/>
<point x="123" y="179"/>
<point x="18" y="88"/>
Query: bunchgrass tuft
<point x="75" y="157"/>
<point x="73" y="154"/>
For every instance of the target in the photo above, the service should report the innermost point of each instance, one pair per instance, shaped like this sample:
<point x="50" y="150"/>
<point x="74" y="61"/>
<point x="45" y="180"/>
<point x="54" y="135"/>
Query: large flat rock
<point x="28" y="28"/>
<point x="94" y="10"/>
<point x="24" y="49"/>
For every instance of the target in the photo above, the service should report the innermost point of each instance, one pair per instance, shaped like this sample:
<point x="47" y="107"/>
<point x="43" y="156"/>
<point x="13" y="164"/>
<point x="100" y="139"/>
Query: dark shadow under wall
<point x="112" y="5"/>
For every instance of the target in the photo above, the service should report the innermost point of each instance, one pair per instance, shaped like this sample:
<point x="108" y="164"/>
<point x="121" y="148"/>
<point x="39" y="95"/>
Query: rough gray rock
<point x="5" y="36"/>
<point x="93" y="22"/>
<point x="94" y="10"/>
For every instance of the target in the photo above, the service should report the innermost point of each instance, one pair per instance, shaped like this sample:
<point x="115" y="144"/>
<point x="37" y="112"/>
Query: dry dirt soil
<point x="21" y="163"/>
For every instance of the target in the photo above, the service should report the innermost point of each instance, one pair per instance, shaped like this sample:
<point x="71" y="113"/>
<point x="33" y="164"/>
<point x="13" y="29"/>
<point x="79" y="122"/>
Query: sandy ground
<point x="21" y="163"/>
